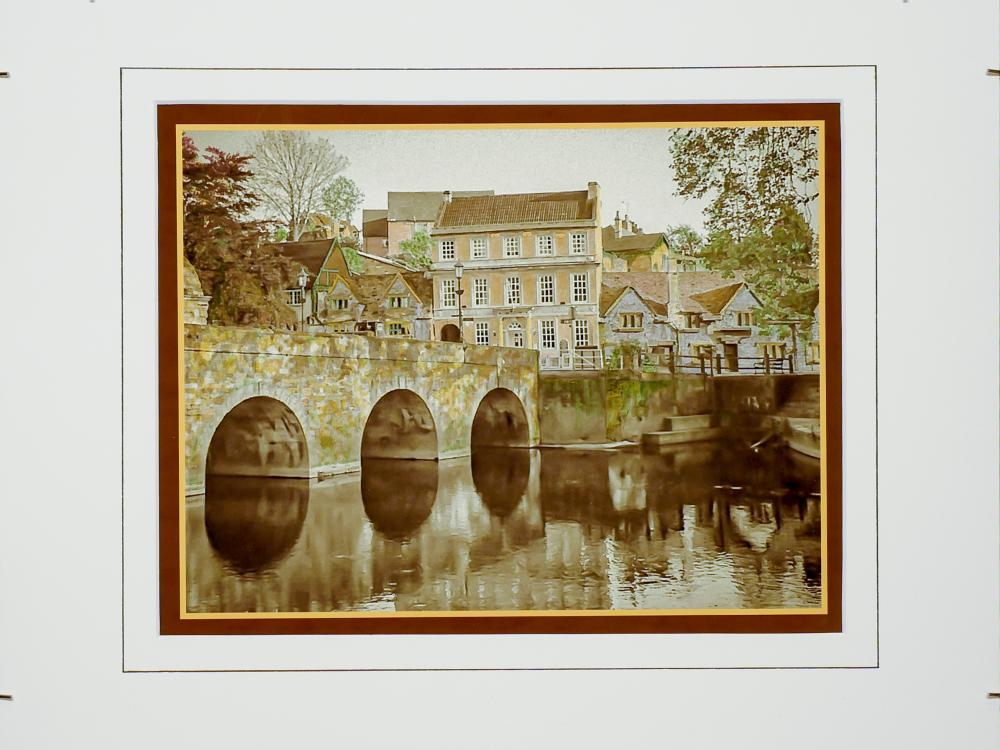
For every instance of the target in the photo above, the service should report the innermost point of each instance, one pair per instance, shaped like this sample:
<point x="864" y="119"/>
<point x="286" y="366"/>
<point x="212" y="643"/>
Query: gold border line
<point x="823" y="609"/>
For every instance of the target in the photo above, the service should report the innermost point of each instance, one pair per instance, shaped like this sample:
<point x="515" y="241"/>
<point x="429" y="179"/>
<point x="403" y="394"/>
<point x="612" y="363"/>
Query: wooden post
<point x="701" y="361"/>
<point x="718" y="364"/>
<point x="791" y="364"/>
<point x="672" y="364"/>
<point x="767" y="362"/>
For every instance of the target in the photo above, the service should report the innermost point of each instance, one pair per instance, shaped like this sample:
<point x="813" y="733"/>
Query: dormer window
<point x="341" y="303"/>
<point x="399" y="301"/>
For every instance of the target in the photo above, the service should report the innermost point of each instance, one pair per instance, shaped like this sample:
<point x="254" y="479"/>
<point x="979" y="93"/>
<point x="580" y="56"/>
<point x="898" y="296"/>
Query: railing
<point x="703" y="364"/>
<point x="580" y="359"/>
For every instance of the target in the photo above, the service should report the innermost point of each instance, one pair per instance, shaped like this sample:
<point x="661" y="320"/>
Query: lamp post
<point x="303" y="280"/>
<point x="459" y="270"/>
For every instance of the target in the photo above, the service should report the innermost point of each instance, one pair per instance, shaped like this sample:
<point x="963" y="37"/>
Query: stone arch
<point x="501" y="421"/>
<point x="400" y="425"/>
<point x="450" y="332"/>
<point x="258" y="436"/>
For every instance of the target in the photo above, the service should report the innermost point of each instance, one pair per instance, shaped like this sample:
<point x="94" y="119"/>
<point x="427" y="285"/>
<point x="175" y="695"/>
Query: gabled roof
<point x="651" y="287"/>
<point x="422" y="286"/>
<point x="373" y="290"/>
<point x="422" y="205"/>
<point x="310" y="253"/>
<point x="630" y="243"/>
<point x="715" y="300"/>
<point x="516" y="208"/>
<point x="693" y="283"/>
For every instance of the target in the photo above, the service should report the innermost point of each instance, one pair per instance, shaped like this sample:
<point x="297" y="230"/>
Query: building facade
<point x="530" y="267"/>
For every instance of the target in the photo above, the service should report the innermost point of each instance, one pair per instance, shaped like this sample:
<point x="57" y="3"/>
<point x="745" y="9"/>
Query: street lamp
<point x="303" y="280"/>
<point x="459" y="270"/>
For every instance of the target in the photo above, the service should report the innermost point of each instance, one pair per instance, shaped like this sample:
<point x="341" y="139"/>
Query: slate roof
<point x="422" y="205"/>
<point x="310" y="253"/>
<point x="694" y="283"/>
<point x="630" y="243"/>
<point x="715" y="300"/>
<point x="652" y="287"/>
<point x="516" y="208"/>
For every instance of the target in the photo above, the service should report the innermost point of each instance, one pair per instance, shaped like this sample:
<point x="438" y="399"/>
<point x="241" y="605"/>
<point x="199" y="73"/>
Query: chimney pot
<point x="447" y="196"/>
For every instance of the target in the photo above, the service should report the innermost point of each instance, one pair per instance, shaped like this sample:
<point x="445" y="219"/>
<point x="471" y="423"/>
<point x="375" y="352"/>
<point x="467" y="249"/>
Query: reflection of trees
<point x="252" y="522"/>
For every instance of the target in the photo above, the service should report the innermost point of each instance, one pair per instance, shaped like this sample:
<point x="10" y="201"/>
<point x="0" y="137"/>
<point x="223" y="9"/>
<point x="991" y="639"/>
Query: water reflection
<point x="693" y="527"/>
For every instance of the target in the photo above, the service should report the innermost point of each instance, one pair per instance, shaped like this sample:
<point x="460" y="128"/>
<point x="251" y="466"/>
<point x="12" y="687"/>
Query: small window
<point x="446" y="250"/>
<point x="477" y="247"/>
<point x="692" y="320"/>
<point x="512" y="246"/>
<point x="294" y="296"/>
<point x="546" y="290"/>
<point x="483" y="333"/>
<point x="578" y="243"/>
<point x="347" y="327"/>
<point x="744" y="319"/>
<point x="341" y="303"/>
<point x="512" y="290"/>
<point x="773" y="350"/>
<point x="544" y="245"/>
<point x="448" y="296"/>
<point x="398" y="329"/>
<point x="814" y="352"/>
<point x="547" y="329"/>
<point x="399" y="301"/>
<point x="580" y="287"/>
<point x="581" y="333"/>
<point x="630" y="320"/>
<point x="480" y="292"/>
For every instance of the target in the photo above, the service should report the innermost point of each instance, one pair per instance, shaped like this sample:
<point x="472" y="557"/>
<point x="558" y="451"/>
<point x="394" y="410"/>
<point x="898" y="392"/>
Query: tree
<point x="227" y="247"/>
<point x="750" y="175"/>
<point x="761" y="188"/>
<point x="684" y="240"/>
<point x="417" y="251"/>
<point x="341" y="198"/>
<point x="354" y="262"/>
<point x="291" y="170"/>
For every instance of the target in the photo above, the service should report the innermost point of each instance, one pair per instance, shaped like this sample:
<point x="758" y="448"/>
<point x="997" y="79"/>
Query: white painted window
<point x="399" y="301"/>
<point x="631" y="320"/>
<point x="580" y="287"/>
<point x="398" y="329"/>
<point x="544" y="245"/>
<point x="547" y="334"/>
<point x="744" y="319"/>
<point x="512" y="290"/>
<point x="477" y="247"/>
<point x="446" y="250"/>
<point x="341" y="303"/>
<point x="578" y="243"/>
<point x="512" y="246"/>
<point x="294" y="296"/>
<point x="448" y="296"/>
<point x="546" y="290"/>
<point x="483" y="333"/>
<point x="481" y="292"/>
<point x="581" y="333"/>
<point x="347" y="327"/>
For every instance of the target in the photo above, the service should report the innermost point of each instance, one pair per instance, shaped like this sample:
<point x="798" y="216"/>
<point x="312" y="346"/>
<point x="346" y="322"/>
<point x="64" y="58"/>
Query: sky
<point x="631" y="165"/>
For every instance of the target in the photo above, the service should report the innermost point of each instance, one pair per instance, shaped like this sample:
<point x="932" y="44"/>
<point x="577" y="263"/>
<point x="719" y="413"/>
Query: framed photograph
<point x="499" y="368"/>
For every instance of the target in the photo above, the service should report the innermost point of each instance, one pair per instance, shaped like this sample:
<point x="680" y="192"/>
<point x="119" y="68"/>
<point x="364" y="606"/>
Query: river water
<point x="702" y="526"/>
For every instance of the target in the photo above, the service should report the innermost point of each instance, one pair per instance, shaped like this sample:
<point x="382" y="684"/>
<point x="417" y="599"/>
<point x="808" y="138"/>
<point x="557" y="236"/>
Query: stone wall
<point x="330" y="383"/>
<point x="608" y="407"/>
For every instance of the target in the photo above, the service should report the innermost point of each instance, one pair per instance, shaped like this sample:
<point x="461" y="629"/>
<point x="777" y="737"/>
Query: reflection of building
<point x="408" y="212"/>
<point x="532" y="265"/>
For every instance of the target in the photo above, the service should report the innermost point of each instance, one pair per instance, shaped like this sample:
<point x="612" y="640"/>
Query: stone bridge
<point x="258" y="403"/>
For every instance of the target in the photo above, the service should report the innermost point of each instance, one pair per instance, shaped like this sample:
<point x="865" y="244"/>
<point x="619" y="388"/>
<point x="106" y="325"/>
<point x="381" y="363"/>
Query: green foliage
<point x="341" y="198"/>
<point x="243" y="275"/>
<point x="280" y="234"/>
<point x="684" y="239"/>
<point x="417" y="251"/>
<point x="761" y="188"/>
<point x="354" y="262"/>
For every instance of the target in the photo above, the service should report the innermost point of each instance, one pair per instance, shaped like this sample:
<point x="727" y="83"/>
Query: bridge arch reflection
<point x="398" y="495"/>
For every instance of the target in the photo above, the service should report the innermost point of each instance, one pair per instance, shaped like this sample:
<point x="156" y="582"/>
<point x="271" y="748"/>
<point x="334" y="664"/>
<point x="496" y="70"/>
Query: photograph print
<point x="499" y="368"/>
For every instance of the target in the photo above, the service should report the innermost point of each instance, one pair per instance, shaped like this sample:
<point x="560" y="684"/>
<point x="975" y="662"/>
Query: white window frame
<point x="448" y="291"/>
<point x="294" y="296"/>
<point x="402" y="329"/>
<point x="749" y="318"/>
<point x="574" y="278"/>
<point x="547" y="326"/>
<point x="509" y="285"/>
<point x="545" y="252"/>
<point x="341" y="303"/>
<point x="485" y="250"/>
<point x="451" y="249"/>
<point x="573" y="236"/>
<point x="552" y="290"/>
<point x="481" y="284"/>
<point x="482" y="332"/>
<point x="581" y="333"/>
<point x="516" y="239"/>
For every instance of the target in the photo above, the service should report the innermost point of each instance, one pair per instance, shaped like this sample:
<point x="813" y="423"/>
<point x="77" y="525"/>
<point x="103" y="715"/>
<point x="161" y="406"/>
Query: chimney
<point x="594" y="198"/>
<point x="625" y="225"/>
<point x="635" y="229"/>
<point x="447" y="196"/>
<point x="618" y="225"/>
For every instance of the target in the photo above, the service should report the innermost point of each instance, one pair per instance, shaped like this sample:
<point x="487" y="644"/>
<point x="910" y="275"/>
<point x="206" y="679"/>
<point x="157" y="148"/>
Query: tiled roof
<point x="310" y="254"/>
<point x="423" y="286"/>
<point x="693" y="283"/>
<point x="715" y="300"/>
<point x="422" y="205"/>
<point x="652" y="287"/>
<point x="630" y="242"/>
<point x="517" y="208"/>
<point x="373" y="290"/>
